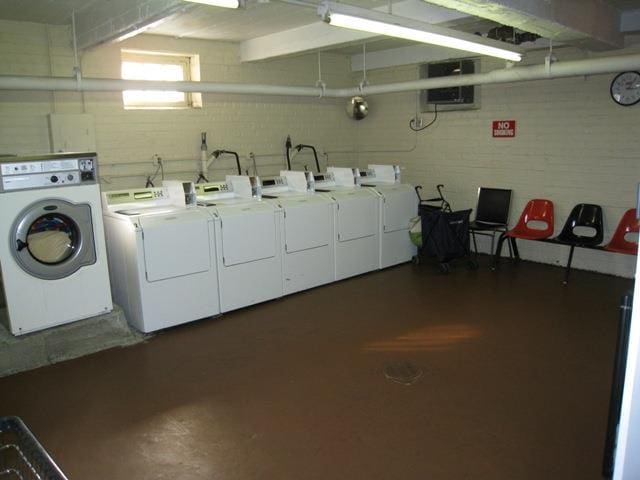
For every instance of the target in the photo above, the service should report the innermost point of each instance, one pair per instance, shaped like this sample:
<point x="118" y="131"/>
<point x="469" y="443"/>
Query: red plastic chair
<point x="628" y="224"/>
<point x="536" y="210"/>
<point x="539" y="210"/>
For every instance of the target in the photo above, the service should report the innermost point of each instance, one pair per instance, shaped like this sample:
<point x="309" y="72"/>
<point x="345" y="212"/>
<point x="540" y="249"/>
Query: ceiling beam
<point x="320" y="36"/>
<point x="316" y="36"/>
<point x="118" y="19"/>
<point x="590" y="24"/>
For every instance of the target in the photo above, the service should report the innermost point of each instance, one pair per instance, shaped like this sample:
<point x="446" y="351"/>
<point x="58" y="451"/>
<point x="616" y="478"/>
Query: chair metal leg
<point x="567" y="270"/>
<point x="514" y="246"/>
<point x="496" y="255"/>
<point x="493" y="240"/>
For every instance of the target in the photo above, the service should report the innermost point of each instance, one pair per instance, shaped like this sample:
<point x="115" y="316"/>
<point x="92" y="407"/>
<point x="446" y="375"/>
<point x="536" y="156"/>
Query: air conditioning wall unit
<point x="450" y="98"/>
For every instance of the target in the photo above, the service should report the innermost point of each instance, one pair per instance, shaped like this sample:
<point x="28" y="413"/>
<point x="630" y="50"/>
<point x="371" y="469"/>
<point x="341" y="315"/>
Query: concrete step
<point x="73" y="340"/>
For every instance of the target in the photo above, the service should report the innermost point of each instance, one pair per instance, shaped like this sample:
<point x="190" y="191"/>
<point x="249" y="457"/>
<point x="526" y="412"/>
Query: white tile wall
<point x="573" y="145"/>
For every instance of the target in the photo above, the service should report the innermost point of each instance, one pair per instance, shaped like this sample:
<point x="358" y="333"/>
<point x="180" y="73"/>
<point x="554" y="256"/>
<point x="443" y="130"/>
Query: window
<point x="137" y="65"/>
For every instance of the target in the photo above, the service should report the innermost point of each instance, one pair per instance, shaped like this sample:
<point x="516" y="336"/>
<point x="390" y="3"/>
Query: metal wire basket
<point x="22" y="456"/>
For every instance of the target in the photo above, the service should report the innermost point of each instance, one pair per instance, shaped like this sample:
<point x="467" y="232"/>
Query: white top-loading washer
<point x="356" y="220"/>
<point x="247" y="241"/>
<point x="161" y="258"/>
<point x="398" y="205"/>
<point x="52" y="250"/>
<point x="308" y="251"/>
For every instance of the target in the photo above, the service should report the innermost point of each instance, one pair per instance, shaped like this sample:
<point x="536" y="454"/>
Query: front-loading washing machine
<point x="52" y="247"/>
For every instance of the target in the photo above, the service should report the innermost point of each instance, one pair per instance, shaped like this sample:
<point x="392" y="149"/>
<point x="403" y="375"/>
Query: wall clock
<point x="625" y="88"/>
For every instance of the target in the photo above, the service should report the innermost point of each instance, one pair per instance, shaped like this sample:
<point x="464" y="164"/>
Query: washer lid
<point x="155" y="210"/>
<point x="176" y="244"/>
<point x="248" y="232"/>
<point x="307" y="225"/>
<point x="53" y="238"/>
<point x="357" y="216"/>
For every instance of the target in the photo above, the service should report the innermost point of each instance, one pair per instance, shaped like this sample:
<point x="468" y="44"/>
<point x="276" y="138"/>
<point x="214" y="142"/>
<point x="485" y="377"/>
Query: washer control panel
<point x="58" y="170"/>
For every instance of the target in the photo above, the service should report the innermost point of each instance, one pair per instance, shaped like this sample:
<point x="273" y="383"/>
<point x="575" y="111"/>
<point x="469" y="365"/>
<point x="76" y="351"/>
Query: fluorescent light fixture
<point x="379" y="23"/>
<point x="137" y="31"/>
<point x="218" y="3"/>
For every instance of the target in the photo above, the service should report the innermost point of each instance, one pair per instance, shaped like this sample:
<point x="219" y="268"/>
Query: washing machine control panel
<point x="56" y="171"/>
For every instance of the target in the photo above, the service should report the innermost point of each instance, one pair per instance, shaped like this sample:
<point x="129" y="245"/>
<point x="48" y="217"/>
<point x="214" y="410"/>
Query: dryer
<point x="247" y="241"/>
<point x="161" y="258"/>
<point x="356" y="222"/>
<point x="398" y="205"/>
<point x="52" y="249"/>
<point x="308" y="251"/>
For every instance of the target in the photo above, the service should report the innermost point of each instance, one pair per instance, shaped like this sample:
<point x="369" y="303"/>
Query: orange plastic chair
<point x="539" y="210"/>
<point x="628" y="224"/>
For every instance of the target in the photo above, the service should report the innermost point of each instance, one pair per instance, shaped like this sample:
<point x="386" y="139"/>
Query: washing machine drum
<point x="52" y="239"/>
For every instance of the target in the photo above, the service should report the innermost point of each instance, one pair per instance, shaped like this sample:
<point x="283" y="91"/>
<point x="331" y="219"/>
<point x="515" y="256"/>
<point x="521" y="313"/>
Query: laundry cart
<point x="445" y="234"/>
<point x="22" y="456"/>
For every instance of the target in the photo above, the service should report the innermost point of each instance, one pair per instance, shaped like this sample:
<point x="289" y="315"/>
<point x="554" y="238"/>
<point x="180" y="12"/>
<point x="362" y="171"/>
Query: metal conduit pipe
<point x="508" y="75"/>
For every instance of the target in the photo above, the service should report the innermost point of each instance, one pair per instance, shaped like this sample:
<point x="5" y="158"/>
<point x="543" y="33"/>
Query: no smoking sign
<point x="504" y="128"/>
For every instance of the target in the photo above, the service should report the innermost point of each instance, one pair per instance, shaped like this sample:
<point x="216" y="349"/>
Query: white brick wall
<point x="573" y="145"/>
<point x="127" y="139"/>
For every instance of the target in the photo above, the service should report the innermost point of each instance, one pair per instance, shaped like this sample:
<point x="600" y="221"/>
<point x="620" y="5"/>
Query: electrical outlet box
<point x="72" y="132"/>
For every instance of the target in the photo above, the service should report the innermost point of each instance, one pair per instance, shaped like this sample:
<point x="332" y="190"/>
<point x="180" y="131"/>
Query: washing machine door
<point x="53" y="238"/>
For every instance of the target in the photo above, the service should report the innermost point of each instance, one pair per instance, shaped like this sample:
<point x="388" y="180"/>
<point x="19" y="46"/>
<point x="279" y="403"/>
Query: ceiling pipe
<point x="119" y="85"/>
<point x="572" y="68"/>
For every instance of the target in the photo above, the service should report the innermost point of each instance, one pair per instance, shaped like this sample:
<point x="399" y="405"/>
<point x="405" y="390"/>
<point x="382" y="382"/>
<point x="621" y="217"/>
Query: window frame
<point x="190" y="71"/>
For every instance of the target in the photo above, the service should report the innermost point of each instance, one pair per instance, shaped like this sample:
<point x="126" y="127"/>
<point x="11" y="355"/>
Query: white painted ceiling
<point x="200" y="21"/>
<point x="259" y="19"/>
<point x="54" y="12"/>
<point x="206" y="22"/>
<point x="256" y="20"/>
<point x="262" y="18"/>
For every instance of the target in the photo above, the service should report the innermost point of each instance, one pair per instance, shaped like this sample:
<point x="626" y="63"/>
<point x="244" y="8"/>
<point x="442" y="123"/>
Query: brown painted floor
<point x="516" y="375"/>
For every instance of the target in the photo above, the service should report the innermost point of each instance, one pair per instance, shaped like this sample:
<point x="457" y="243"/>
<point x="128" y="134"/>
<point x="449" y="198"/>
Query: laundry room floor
<point x="399" y="374"/>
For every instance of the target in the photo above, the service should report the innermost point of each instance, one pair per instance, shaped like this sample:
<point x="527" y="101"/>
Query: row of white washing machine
<point x="245" y="241"/>
<point x="171" y="261"/>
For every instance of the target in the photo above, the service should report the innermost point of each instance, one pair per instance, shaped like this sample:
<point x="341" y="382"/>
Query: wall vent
<point x="450" y="98"/>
